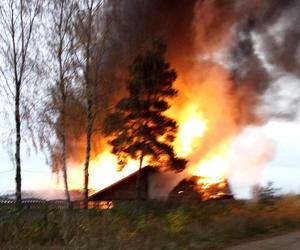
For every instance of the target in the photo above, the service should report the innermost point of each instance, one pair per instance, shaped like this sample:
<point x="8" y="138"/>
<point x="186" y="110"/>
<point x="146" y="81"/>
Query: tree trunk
<point x="18" y="146"/>
<point x="65" y="175"/>
<point x="64" y="160"/>
<point x="89" y="106"/>
<point x="138" y="179"/>
<point x="87" y="153"/>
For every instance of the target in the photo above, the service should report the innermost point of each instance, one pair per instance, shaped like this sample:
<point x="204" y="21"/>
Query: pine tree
<point x="139" y="129"/>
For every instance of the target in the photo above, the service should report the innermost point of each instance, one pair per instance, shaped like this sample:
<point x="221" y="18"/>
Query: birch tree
<point x="62" y="55"/>
<point x="18" y="21"/>
<point x="93" y="33"/>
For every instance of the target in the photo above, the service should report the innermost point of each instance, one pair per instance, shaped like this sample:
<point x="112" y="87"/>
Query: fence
<point x="59" y="204"/>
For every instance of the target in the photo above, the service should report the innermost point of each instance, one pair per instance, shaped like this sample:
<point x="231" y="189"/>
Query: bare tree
<point x="62" y="53"/>
<point x="89" y="101"/>
<point x="93" y="32"/>
<point x="17" y="25"/>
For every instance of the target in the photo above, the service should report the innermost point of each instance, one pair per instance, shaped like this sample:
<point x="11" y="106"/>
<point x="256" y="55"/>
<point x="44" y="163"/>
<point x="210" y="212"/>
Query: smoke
<point x="266" y="51"/>
<point x="248" y="154"/>
<point x="161" y="184"/>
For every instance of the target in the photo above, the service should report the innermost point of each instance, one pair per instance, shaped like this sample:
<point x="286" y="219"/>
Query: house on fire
<point x="187" y="189"/>
<point x="125" y="189"/>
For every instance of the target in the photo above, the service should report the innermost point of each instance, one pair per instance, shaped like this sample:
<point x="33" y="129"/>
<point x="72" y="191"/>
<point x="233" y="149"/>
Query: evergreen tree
<point x="138" y="129"/>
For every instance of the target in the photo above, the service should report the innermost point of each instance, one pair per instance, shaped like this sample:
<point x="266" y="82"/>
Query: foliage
<point x="177" y="220"/>
<point x="207" y="225"/>
<point x="138" y="128"/>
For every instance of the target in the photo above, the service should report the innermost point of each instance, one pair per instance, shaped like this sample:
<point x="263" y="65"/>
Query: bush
<point x="208" y="225"/>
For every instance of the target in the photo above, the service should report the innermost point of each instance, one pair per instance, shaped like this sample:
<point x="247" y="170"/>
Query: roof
<point x="121" y="182"/>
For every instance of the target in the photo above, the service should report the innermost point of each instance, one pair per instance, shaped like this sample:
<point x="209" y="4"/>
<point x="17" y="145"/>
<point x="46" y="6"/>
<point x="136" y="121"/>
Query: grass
<point x="208" y="225"/>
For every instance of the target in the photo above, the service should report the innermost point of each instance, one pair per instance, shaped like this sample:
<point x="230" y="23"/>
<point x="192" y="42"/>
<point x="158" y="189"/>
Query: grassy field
<point x="208" y="225"/>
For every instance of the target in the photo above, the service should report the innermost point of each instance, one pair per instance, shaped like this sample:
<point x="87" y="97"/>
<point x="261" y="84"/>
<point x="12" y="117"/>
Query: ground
<point x="289" y="241"/>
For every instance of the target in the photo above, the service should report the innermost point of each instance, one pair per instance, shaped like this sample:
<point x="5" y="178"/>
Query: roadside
<point x="289" y="241"/>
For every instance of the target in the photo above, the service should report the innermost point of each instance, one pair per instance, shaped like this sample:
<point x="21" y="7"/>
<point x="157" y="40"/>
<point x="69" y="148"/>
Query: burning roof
<point x="194" y="188"/>
<point x="197" y="188"/>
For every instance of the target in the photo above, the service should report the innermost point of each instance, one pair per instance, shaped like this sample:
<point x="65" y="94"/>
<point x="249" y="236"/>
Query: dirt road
<point x="289" y="241"/>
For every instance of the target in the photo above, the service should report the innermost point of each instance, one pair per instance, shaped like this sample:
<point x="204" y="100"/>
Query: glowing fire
<point x="192" y="127"/>
<point x="205" y="127"/>
<point x="103" y="172"/>
<point x="204" y="110"/>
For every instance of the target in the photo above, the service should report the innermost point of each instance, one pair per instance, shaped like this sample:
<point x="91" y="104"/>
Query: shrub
<point x="208" y="225"/>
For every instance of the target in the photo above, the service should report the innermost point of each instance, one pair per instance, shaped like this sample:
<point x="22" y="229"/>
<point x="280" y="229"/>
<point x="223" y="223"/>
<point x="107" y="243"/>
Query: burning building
<point x="125" y="189"/>
<point x="191" y="189"/>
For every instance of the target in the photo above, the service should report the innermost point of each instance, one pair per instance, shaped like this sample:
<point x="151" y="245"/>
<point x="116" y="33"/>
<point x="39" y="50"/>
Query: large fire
<point x="205" y="115"/>
<point x="193" y="126"/>
<point x="205" y="129"/>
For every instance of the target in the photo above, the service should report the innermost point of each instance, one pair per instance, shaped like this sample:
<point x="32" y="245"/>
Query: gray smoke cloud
<point x="267" y="51"/>
<point x="261" y="39"/>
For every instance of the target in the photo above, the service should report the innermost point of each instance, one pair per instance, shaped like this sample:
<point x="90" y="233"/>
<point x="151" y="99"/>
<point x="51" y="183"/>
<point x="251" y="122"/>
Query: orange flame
<point x="204" y="131"/>
<point x="192" y="128"/>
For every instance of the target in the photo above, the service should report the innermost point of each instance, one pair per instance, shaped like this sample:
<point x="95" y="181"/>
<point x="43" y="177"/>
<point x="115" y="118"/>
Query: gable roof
<point x="120" y="183"/>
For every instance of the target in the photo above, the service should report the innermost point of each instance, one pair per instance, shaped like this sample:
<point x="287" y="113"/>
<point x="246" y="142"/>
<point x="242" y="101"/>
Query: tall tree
<point x="17" y="24"/>
<point x="56" y="108"/>
<point x="93" y="33"/>
<point x="138" y="129"/>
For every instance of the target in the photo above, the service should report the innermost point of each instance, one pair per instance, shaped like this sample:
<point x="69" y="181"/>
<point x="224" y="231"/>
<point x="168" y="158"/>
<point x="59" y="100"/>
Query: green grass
<point x="209" y="225"/>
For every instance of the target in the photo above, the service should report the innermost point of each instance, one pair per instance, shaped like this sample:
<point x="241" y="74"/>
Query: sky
<point x="283" y="169"/>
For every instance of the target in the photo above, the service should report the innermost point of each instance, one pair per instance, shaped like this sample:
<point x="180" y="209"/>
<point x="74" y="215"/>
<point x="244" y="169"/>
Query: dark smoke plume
<point x="142" y="21"/>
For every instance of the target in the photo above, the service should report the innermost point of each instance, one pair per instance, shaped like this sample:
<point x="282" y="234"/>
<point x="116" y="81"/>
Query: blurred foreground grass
<point x="207" y="225"/>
